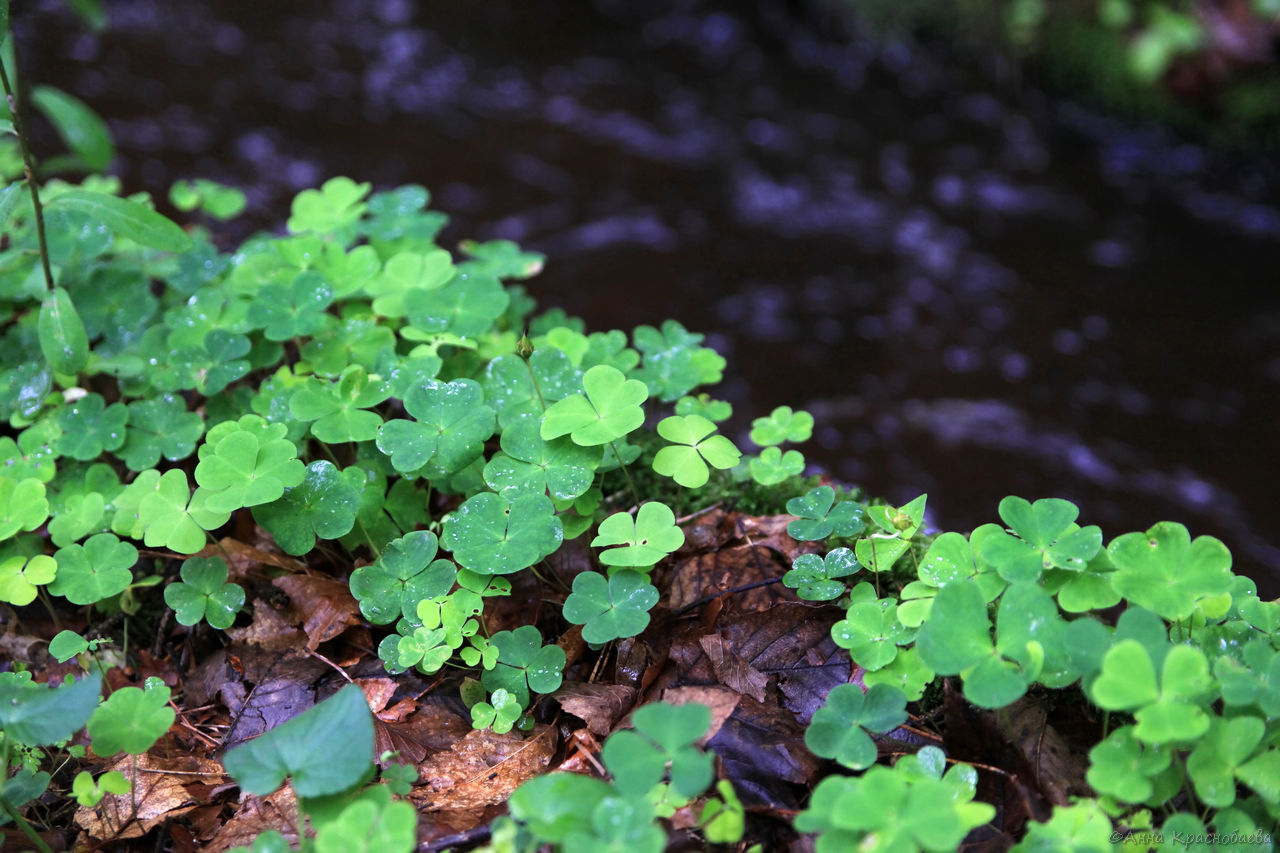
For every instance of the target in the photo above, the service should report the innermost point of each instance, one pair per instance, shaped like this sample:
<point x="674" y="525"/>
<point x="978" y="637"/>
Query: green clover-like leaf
<point x="131" y="720"/>
<point x="160" y="426"/>
<point x="32" y="455"/>
<point x="323" y="505"/>
<point x="706" y="406"/>
<point x="673" y="362"/>
<point x="645" y="540"/>
<point x="818" y="516"/>
<point x="530" y="464"/>
<point x="170" y="515"/>
<point x="502" y="258"/>
<point x="1214" y="763"/>
<point x="610" y="609"/>
<point x="404" y="574"/>
<point x="205" y="594"/>
<point x="337" y="204"/>
<point x="325" y="749"/>
<point x="23" y="505"/>
<point x="89" y="426"/>
<point x="37" y="715"/>
<point x="872" y="633"/>
<point x="664" y="735"/>
<point x="450" y="427"/>
<point x="608" y="411"/>
<point x="1045" y="536"/>
<point x="839" y="728"/>
<point x="815" y="577"/>
<point x="500" y="713"/>
<point x="94" y="571"/>
<point x="493" y="535"/>
<point x="693" y="449"/>
<point x="780" y="426"/>
<point x="1123" y="767"/>
<point x="20" y="576"/>
<point x="466" y="306"/>
<point x="286" y="311"/>
<point x="509" y="386"/>
<point x="404" y="273"/>
<point x="338" y="409"/>
<point x="773" y="466"/>
<point x="1165" y="571"/>
<point x="248" y="467"/>
<point x="1171" y="712"/>
<point x="524" y="664"/>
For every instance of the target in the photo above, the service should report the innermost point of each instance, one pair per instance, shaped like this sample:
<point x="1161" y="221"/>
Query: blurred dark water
<point x="977" y="290"/>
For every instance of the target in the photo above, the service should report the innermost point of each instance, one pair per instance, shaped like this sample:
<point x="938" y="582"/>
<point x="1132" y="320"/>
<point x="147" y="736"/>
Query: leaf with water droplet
<point x="62" y="337"/>
<point x="323" y="505"/>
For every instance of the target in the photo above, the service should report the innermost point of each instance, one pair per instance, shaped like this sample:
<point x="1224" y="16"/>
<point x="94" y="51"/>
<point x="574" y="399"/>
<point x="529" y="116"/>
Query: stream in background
<point x="976" y="291"/>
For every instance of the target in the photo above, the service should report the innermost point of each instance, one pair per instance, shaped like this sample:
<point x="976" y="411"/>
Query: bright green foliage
<point x="648" y="538"/>
<point x="839" y="728"/>
<point x="66" y="645"/>
<point x="530" y="464"/>
<point x="35" y="714"/>
<point x="815" y="577"/>
<point x="500" y="713"/>
<point x="819" y="516"/>
<point x="89" y="793"/>
<point x="285" y="311"/>
<point x="782" y="425"/>
<point x="81" y="129"/>
<point x="693" y="449"/>
<point x="673" y="363"/>
<point x="493" y="535"/>
<point x="62" y="337"/>
<point x="248" y="467"/>
<point x="1045" y="536"/>
<point x="608" y="410"/>
<point x="723" y="821"/>
<point x="98" y="569"/>
<point x="773" y="466"/>
<point x="160" y="426"/>
<point x="405" y="272"/>
<point x="89" y="426"/>
<point x="704" y="405"/>
<point x="879" y="551"/>
<point x="219" y="201"/>
<point x="664" y="736"/>
<point x="909" y="808"/>
<point x="906" y="673"/>
<point x="32" y="455"/>
<point x="404" y="574"/>
<point x="1080" y="828"/>
<point x="612" y="608"/>
<point x="129" y="219"/>
<point x="1165" y="571"/>
<point x="337" y="204"/>
<point x="524" y="664"/>
<point x="323" y="505"/>
<point x="466" y="306"/>
<point x="270" y="841"/>
<point x="871" y="630"/>
<point x="1170" y="712"/>
<point x="204" y="593"/>
<point x="558" y="805"/>
<point x="1253" y="680"/>
<point x="170" y="516"/>
<point x="324" y="750"/>
<point x="1123" y="767"/>
<point x="1222" y="757"/>
<point x="502" y="258"/>
<point x="370" y="825"/>
<point x="20" y="576"/>
<point x="131" y="719"/>
<point x="450" y="427"/>
<point x="509" y="384"/>
<point x="338" y="409"/>
<point x="23" y="505"/>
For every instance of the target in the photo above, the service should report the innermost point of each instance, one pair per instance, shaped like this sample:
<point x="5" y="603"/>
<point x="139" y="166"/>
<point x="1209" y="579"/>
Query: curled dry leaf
<point x="255" y="816"/>
<point x="482" y="769"/>
<point x="597" y="705"/>
<point x="327" y="605"/>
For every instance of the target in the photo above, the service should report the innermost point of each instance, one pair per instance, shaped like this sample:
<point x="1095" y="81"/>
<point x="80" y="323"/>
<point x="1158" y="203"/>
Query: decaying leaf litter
<point x="726" y="633"/>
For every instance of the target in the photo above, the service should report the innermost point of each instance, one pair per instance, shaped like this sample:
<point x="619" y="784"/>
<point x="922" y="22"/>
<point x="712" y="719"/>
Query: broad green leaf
<point x="663" y="735"/>
<point x="23" y="505"/>
<point x="529" y="463"/>
<point x="36" y="715"/>
<point x="338" y="408"/>
<point x="816" y="578"/>
<point x="673" y="362"/>
<point x="131" y="720"/>
<point x="62" y="337"/>
<point x="126" y="218"/>
<point x="872" y="633"/>
<point x="492" y="535"/>
<point x="782" y="425"/>
<point x="172" y="517"/>
<point x="89" y="426"/>
<point x="160" y="426"/>
<point x="1122" y="767"/>
<point x="839" y="728"/>
<point x="80" y="127"/>
<point x="1165" y="571"/>
<point x="94" y="571"/>
<point x="466" y="306"/>
<point x="645" y="540"/>
<point x="21" y="576"/>
<point x="502" y="258"/>
<point x="1214" y="762"/>
<point x="404" y="574"/>
<point x="450" y="427"/>
<point x="773" y="466"/>
<point x="693" y="449"/>
<point x="248" y="467"/>
<point x="323" y="505"/>
<point x="608" y="411"/>
<point x="610" y="609"/>
<point x="819" y="516"/>
<point x="1046" y="537"/>
<point x="205" y="594"/>
<point x="336" y="205"/>
<point x="556" y="805"/>
<point x="324" y="750"/>
<point x="524" y="664"/>
<point x="957" y="634"/>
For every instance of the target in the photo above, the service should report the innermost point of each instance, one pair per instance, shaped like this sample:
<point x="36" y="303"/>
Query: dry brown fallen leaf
<point x="482" y="769"/>
<point x="255" y="816"/>
<point x="598" y="705"/>
<point x="326" y="605"/>
<point x="160" y="790"/>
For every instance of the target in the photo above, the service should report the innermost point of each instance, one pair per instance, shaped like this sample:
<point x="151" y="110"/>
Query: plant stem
<point x="30" y="170"/>
<point x="626" y="472"/>
<point x="26" y="828"/>
<point x="536" y="387"/>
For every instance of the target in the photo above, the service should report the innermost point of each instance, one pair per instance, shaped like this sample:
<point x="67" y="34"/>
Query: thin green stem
<point x="626" y="473"/>
<point x="537" y="388"/>
<point x="30" y="170"/>
<point x="48" y="605"/>
<point x="27" y="829"/>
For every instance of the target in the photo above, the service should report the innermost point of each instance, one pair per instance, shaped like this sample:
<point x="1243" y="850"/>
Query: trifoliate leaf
<point x="693" y="449"/>
<point x="782" y="425"/>
<point x="1046" y="538"/>
<point x="612" y="608"/>
<point x="451" y="426"/>
<point x="466" y="306"/>
<point x="160" y="426"/>
<point x="493" y="535"/>
<point x="773" y="466"/>
<point x="1165" y="571"/>
<point x="248" y="467"/>
<point x="337" y="204"/>
<point x="646" y="539"/>
<point x="23" y="505"/>
<point x="839" y="728"/>
<point x="172" y="517"/>
<point x="608" y="411"/>
<point x="205" y="594"/>
<point x="20" y="576"/>
<point x="323" y="505"/>
<point x="819" y="516"/>
<point x="89" y="426"/>
<point x="94" y="571"/>
<point x="524" y="664"/>
<point x="404" y="574"/>
<point x="529" y="463"/>
<point x="131" y="720"/>
<point x="815" y="577"/>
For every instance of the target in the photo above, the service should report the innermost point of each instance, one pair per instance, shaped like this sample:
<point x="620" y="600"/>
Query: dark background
<point x="978" y="289"/>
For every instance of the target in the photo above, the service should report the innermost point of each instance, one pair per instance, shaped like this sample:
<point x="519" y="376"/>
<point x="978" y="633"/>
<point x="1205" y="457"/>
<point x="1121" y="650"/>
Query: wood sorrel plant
<point x="403" y="419"/>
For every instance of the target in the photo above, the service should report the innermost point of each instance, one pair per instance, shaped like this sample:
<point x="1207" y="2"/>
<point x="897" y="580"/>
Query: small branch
<point x="30" y="170"/>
